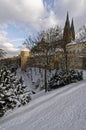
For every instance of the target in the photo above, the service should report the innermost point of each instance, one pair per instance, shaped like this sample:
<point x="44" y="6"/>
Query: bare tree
<point x="82" y="33"/>
<point x="43" y="46"/>
<point x="2" y="53"/>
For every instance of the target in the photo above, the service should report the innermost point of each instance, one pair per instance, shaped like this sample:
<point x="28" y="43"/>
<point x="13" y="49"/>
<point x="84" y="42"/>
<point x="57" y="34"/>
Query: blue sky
<point x="20" y="18"/>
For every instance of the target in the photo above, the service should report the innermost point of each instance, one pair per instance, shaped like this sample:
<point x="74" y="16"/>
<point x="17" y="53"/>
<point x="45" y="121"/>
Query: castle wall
<point x="76" y="58"/>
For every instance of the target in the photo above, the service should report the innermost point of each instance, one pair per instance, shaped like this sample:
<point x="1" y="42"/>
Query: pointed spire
<point x="72" y="30"/>
<point x="72" y="23"/>
<point x="67" y="14"/>
<point x="67" y="31"/>
<point x="67" y="19"/>
<point x="67" y="23"/>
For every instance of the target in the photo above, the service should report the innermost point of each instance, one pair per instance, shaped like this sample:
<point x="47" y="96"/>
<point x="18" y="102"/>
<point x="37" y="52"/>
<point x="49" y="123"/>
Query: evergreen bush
<point x="12" y="91"/>
<point x="62" y="78"/>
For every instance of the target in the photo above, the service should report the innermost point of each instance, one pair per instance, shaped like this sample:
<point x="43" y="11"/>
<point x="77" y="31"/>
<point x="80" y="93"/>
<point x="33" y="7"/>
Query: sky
<point x="21" y="18"/>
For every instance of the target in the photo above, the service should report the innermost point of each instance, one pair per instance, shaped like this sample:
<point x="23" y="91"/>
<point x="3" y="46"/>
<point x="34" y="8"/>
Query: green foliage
<point x="12" y="91"/>
<point x="62" y="78"/>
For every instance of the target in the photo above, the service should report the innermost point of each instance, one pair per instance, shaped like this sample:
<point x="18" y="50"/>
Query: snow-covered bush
<point x="62" y="78"/>
<point x="12" y="91"/>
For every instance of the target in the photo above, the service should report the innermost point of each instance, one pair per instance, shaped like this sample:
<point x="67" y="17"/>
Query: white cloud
<point x="47" y="21"/>
<point x="7" y="46"/>
<point x="22" y="10"/>
<point x="75" y="7"/>
<point x="33" y="14"/>
<point x="26" y="11"/>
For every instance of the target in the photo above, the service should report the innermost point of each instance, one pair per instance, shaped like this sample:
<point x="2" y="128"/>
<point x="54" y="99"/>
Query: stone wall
<point x="77" y="55"/>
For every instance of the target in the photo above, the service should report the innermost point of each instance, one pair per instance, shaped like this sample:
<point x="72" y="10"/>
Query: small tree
<point x="12" y="91"/>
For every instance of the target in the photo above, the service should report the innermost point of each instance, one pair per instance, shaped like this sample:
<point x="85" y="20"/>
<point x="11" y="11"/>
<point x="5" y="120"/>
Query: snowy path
<point x="62" y="109"/>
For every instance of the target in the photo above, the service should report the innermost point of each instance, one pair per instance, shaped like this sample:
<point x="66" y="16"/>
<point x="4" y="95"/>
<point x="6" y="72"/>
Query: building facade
<point x="77" y="55"/>
<point x="76" y="52"/>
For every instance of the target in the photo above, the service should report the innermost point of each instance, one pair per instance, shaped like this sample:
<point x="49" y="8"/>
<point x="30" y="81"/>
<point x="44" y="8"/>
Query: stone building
<point x="77" y="55"/>
<point x="76" y="52"/>
<point x="69" y="31"/>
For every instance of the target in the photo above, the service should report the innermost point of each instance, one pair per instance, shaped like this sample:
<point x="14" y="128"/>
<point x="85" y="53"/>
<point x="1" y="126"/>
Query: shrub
<point x="62" y="78"/>
<point x="12" y="91"/>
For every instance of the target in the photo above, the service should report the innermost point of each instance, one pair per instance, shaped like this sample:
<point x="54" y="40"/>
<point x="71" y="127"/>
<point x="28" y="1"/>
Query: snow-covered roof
<point x="77" y="41"/>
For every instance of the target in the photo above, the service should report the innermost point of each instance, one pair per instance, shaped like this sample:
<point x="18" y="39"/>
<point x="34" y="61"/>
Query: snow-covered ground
<point x="34" y="78"/>
<point x="61" y="109"/>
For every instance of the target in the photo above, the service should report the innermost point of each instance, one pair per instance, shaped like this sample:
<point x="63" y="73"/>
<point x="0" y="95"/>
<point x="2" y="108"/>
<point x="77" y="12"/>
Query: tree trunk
<point x="46" y="87"/>
<point x="66" y="60"/>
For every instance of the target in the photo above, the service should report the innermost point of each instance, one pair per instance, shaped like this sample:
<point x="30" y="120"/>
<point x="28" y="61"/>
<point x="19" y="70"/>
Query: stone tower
<point x="72" y="30"/>
<point x="25" y="54"/>
<point x="69" y="32"/>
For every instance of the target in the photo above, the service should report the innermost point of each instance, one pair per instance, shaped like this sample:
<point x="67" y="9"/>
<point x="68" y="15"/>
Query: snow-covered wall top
<point x="77" y="41"/>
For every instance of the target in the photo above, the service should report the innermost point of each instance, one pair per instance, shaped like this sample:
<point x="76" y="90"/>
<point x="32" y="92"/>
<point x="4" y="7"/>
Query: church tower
<point x="72" y="30"/>
<point x="67" y="31"/>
